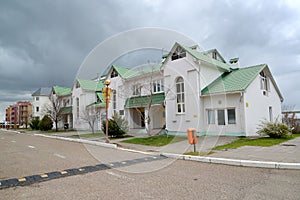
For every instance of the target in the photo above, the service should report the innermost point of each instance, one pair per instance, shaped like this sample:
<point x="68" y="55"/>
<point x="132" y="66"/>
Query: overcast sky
<point x="43" y="42"/>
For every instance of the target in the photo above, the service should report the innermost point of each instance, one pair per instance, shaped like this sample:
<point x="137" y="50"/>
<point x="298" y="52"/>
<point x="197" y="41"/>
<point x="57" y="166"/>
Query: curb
<point x="102" y="144"/>
<point x="235" y="162"/>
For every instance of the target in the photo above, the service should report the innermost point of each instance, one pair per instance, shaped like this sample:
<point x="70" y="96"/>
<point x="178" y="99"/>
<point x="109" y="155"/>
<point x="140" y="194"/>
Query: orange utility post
<point x="192" y="137"/>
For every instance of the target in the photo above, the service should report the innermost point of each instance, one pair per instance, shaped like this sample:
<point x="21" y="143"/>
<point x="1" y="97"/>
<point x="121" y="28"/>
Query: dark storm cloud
<point x="43" y="42"/>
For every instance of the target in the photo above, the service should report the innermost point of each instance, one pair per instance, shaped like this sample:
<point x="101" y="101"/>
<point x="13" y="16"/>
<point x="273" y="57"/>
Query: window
<point x="37" y="109"/>
<point x="264" y="83"/>
<point x="77" y="85"/>
<point x="114" y="73"/>
<point x="178" y="53"/>
<point x="157" y="86"/>
<point x="137" y="90"/>
<point x="211" y="116"/>
<point x="221" y="117"/>
<point x="114" y="101"/>
<point x="77" y="107"/>
<point x="214" y="55"/>
<point x="121" y="112"/>
<point x="180" y="95"/>
<point x="270" y="113"/>
<point x="37" y="98"/>
<point x="231" y="116"/>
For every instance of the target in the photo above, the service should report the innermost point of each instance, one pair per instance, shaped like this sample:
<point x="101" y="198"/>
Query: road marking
<point x="113" y="174"/>
<point x="32" y="147"/>
<point x="22" y="179"/>
<point x="13" y="141"/>
<point x="60" y="156"/>
<point x="44" y="175"/>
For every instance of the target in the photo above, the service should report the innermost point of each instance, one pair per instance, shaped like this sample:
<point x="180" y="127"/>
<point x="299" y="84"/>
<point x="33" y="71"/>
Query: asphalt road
<point x="23" y="155"/>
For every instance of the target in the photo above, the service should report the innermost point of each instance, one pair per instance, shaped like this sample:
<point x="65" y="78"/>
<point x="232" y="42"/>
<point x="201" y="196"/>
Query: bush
<point x="46" y="123"/>
<point x="274" y="129"/>
<point x="34" y="124"/>
<point x="117" y="126"/>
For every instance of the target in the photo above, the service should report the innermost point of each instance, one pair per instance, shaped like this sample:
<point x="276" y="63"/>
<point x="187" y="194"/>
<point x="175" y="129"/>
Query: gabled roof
<point x="43" y="91"/>
<point x="202" y="57"/>
<point x="214" y="50"/>
<point x="61" y="91"/>
<point x="127" y="73"/>
<point x="92" y="85"/>
<point x="142" y="101"/>
<point x="237" y="80"/>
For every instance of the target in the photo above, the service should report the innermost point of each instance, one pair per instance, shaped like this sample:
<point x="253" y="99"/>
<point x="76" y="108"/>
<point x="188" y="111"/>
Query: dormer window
<point x="114" y="73"/>
<point x="214" y="55"/>
<point x="178" y="53"/>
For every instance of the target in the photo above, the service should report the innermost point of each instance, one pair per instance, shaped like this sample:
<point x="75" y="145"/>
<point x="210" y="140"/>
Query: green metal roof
<point x="203" y="57"/>
<point x="143" y="101"/>
<point x="61" y="91"/>
<point x="236" y="80"/>
<point x="66" y="110"/>
<point x="100" y="96"/>
<point x="92" y="85"/>
<point x="97" y="104"/>
<point x="131" y="73"/>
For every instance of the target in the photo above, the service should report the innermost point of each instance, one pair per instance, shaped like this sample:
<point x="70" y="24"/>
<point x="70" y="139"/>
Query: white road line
<point x="32" y="147"/>
<point x="119" y="176"/>
<point x="13" y="141"/>
<point x="60" y="156"/>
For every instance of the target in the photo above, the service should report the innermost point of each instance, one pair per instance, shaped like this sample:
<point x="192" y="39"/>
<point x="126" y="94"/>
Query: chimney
<point x="234" y="63"/>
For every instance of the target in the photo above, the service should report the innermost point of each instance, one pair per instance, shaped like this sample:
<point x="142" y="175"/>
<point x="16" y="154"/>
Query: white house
<point x="196" y="89"/>
<point x="214" y="97"/>
<point x="88" y="103"/>
<point x="40" y="100"/>
<point x="61" y="98"/>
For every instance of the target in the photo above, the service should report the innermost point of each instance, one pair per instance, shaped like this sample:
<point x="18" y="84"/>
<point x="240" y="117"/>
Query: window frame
<point x="180" y="99"/>
<point x="158" y="86"/>
<point x="231" y="121"/>
<point x="211" y="116"/>
<point x="178" y="53"/>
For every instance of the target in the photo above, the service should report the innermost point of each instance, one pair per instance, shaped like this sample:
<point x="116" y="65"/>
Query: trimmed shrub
<point x="117" y="126"/>
<point x="34" y="124"/>
<point x="46" y="123"/>
<point x="274" y="129"/>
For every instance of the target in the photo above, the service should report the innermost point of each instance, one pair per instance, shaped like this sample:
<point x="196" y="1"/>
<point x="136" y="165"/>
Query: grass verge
<point x="263" y="142"/>
<point x="158" y="140"/>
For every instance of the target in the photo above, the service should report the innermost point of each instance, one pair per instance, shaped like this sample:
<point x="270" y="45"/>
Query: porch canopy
<point x="143" y="101"/>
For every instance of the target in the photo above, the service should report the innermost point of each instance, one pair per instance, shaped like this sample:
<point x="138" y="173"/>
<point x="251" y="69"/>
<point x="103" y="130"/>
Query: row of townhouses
<point x="191" y="88"/>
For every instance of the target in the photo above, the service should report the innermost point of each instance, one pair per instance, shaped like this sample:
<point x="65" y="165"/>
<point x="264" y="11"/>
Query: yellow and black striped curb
<point x="27" y="180"/>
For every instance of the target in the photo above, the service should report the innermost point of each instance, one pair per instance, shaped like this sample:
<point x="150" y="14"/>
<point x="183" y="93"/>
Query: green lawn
<point x="158" y="140"/>
<point x="264" y="142"/>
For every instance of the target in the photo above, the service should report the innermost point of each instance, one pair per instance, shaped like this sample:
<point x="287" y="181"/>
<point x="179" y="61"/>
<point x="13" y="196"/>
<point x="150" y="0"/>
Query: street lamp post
<point x="107" y="83"/>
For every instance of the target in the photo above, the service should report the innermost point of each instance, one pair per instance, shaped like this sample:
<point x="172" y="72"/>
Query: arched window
<point x="180" y="95"/>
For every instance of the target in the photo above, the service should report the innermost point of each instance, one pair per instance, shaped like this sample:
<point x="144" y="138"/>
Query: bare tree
<point x="54" y="111"/>
<point x="91" y="117"/>
<point x="147" y="85"/>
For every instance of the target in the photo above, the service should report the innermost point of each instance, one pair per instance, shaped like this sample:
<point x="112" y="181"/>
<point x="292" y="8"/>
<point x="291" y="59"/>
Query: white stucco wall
<point x="258" y="106"/>
<point x="224" y="102"/>
<point x="42" y="103"/>
<point x="85" y="98"/>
